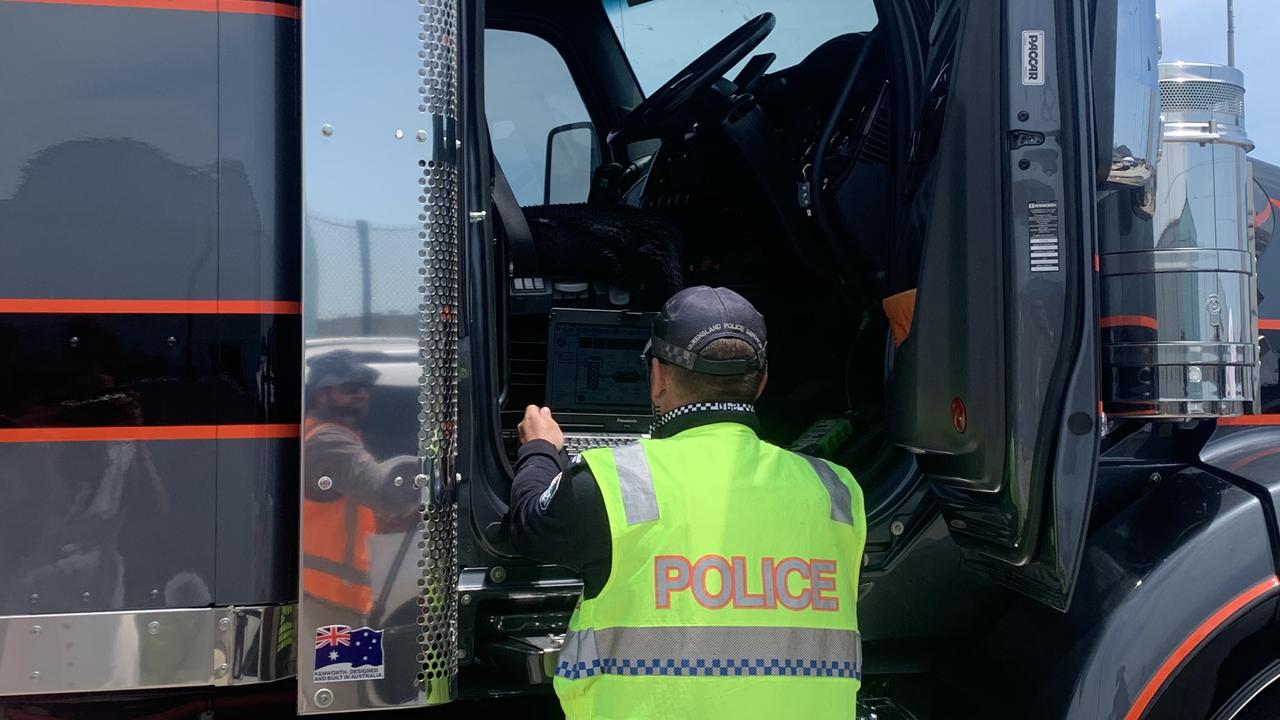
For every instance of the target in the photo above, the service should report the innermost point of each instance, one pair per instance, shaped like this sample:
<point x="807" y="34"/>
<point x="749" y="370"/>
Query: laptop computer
<point x="596" y="380"/>
<point x="597" y="385"/>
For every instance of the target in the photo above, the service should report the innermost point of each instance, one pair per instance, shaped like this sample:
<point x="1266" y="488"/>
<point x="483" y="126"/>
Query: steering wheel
<point x="667" y="108"/>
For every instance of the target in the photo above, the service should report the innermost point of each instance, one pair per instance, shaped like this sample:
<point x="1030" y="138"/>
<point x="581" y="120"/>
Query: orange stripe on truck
<point x="1269" y="419"/>
<point x="1146" y="321"/>
<point x="35" y="306"/>
<point x="1195" y="640"/>
<point x="234" y="7"/>
<point x="127" y="433"/>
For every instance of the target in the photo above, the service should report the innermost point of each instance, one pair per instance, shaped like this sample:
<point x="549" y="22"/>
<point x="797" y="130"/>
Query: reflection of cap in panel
<point x="339" y="368"/>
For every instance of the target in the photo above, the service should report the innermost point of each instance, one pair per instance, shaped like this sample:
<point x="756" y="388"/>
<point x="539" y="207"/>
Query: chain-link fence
<point x="362" y="279"/>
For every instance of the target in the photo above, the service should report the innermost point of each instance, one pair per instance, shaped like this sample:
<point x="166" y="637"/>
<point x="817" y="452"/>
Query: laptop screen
<point x="593" y="362"/>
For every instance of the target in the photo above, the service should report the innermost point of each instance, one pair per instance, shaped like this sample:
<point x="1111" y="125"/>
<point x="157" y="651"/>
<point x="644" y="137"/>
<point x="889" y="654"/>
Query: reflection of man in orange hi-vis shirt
<point x="344" y="488"/>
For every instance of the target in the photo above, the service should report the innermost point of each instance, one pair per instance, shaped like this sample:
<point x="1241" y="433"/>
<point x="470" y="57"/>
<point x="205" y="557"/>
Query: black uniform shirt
<point x="567" y="524"/>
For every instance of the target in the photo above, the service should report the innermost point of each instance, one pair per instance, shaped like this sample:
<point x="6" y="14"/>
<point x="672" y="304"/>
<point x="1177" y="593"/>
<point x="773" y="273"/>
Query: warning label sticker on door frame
<point x="1042" y="227"/>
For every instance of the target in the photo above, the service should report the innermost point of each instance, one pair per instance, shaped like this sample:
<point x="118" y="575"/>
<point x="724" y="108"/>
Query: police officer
<point x="720" y="572"/>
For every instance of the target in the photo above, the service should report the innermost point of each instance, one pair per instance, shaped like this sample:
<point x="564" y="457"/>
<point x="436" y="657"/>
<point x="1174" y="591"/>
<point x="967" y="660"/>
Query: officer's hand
<point x="538" y="425"/>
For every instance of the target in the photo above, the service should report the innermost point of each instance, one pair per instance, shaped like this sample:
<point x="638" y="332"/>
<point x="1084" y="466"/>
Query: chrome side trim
<point x="263" y="643"/>
<point x="1177" y="260"/>
<point x="381" y="221"/>
<point x="117" y="651"/>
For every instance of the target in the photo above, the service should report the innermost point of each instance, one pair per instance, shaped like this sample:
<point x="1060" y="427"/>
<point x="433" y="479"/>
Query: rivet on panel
<point x="399" y="134"/>
<point x="325" y="482"/>
<point x="324" y="698"/>
<point x="222" y="670"/>
<point x="465" y="600"/>
<point x="172" y="341"/>
<point x="36" y="629"/>
<point x="153" y="628"/>
<point x="326" y="129"/>
<point x="897" y="527"/>
<point x="498" y="574"/>
<point x="74" y="341"/>
<point x="35" y="675"/>
<point x="224" y="624"/>
<point x="398" y="481"/>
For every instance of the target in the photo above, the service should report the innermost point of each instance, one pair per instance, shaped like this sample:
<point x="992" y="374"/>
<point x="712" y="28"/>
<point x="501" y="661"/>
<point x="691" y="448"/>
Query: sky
<point x="1196" y="30"/>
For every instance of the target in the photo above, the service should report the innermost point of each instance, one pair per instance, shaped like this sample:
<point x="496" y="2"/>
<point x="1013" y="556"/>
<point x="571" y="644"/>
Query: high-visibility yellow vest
<point x="733" y="587"/>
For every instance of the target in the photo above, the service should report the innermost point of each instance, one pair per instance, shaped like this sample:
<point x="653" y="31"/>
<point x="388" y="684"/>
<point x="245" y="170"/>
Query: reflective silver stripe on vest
<point x="716" y="651"/>
<point x="638" y="499"/>
<point x="345" y="573"/>
<point x="841" y="500"/>
<point x="579" y="649"/>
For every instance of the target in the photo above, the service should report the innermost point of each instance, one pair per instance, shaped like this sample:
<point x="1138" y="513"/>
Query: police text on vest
<point x="791" y="583"/>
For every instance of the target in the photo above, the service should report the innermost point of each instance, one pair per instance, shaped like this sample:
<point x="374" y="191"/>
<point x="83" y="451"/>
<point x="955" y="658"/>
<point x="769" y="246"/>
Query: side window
<point x="535" y="111"/>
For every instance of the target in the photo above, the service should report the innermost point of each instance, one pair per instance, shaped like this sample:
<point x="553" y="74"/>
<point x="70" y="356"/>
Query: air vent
<point x="875" y="150"/>
<point x="1201" y="96"/>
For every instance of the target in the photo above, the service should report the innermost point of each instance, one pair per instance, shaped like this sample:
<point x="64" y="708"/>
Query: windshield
<point x="661" y="37"/>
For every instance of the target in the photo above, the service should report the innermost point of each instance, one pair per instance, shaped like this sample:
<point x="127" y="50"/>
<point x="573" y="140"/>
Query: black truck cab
<point x="998" y="287"/>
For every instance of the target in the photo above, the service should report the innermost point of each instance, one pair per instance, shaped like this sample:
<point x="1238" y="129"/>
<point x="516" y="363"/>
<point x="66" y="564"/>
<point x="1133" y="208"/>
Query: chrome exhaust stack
<point x="1179" y="300"/>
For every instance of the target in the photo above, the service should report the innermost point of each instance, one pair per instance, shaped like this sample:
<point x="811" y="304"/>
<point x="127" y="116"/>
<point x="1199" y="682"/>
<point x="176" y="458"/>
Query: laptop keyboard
<point x="577" y="443"/>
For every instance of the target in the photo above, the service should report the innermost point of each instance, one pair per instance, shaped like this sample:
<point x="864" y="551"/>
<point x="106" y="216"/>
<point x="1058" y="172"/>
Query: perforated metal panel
<point x="381" y="229"/>
<point x="439" y="55"/>
<point x="1197" y="95"/>
<point x="438" y="344"/>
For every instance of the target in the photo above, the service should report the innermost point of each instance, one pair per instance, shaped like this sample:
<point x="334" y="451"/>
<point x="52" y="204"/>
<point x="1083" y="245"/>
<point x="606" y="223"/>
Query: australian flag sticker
<point x="343" y="654"/>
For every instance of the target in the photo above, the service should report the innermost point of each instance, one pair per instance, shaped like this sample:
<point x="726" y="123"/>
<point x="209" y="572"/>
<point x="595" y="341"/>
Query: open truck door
<point x="381" y="218"/>
<point x="996" y="386"/>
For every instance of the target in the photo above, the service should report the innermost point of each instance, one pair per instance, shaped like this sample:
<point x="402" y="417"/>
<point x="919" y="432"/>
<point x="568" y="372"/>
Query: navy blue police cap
<point x="698" y="316"/>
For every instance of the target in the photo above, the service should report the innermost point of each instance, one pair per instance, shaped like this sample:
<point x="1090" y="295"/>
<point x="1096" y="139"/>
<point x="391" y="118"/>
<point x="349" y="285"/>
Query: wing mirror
<point x="1135" y="120"/>
<point x="573" y="152"/>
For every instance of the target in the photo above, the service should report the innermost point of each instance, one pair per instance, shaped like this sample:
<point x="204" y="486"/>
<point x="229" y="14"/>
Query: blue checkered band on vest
<point x="713" y="667"/>
<point x="722" y="651"/>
